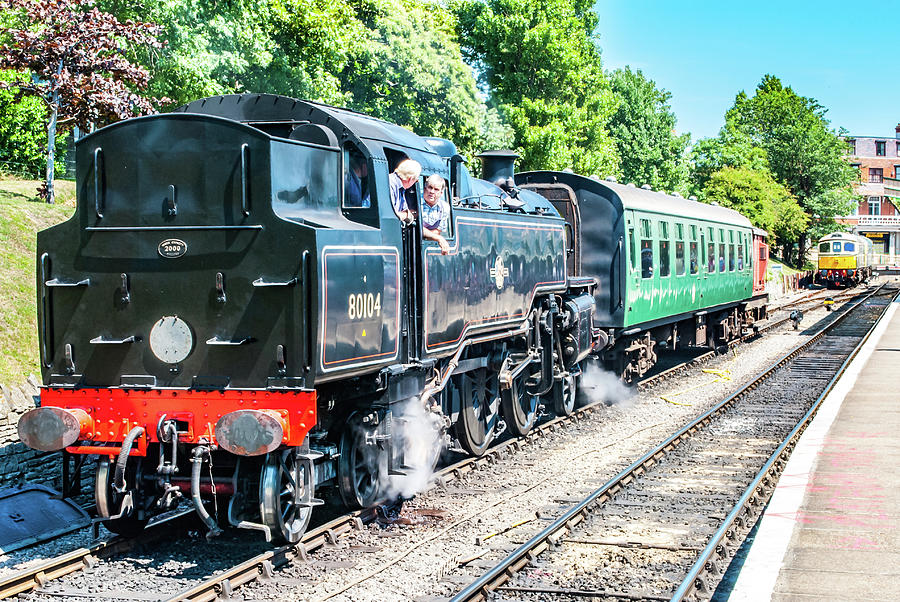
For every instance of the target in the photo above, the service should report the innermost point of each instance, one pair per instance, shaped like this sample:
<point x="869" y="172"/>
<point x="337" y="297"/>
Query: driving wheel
<point x="478" y="395"/>
<point x="284" y="484"/>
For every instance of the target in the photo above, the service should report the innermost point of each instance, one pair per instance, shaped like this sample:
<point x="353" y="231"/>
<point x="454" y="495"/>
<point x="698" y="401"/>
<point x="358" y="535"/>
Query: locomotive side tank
<point x="220" y="320"/>
<point x="845" y="259"/>
<point x="672" y="271"/>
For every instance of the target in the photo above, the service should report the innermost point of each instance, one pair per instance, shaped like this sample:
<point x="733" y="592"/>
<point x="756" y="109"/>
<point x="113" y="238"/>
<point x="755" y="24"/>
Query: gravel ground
<point x="491" y="511"/>
<point x="457" y="530"/>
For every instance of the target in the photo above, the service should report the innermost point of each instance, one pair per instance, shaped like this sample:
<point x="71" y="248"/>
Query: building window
<point x="851" y="147"/>
<point x="897" y="172"/>
<point x="876" y="175"/>
<point x="898" y="149"/>
<point x="858" y="168"/>
<point x="874" y="205"/>
<point x="879" y="147"/>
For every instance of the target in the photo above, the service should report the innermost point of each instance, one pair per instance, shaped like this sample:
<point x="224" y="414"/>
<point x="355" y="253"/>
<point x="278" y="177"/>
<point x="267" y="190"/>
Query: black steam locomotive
<point x="217" y="320"/>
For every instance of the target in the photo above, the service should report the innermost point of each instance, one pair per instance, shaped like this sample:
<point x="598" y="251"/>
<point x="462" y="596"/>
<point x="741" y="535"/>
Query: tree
<point x="803" y="154"/>
<point x="77" y="57"/>
<point x="394" y="59"/>
<point x="539" y="63"/>
<point x="411" y="72"/>
<point x="643" y="128"/>
<point x="762" y="200"/>
<point x="729" y="149"/>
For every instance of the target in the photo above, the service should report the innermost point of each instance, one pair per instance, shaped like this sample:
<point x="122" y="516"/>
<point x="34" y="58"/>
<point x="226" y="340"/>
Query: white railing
<point x="878" y="220"/>
<point x="887" y="259"/>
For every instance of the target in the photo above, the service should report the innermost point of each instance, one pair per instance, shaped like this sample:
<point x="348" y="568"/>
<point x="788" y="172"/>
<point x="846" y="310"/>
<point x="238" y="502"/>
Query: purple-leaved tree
<point x="78" y="60"/>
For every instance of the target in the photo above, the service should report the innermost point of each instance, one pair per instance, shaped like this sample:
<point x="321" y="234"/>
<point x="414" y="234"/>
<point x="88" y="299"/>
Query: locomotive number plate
<point x="172" y="248"/>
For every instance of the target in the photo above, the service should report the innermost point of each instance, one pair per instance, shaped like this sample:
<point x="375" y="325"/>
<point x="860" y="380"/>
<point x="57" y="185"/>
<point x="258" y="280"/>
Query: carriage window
<point x="711" y="257"/>
<point x="836" y="247"/>
<point x="633" y="253"/>
<point x="823" y="247"/>
<point x="762" y="253"/>
<point x="693" y="232"/>
<point x="664" y="229"/>
<point x="721" y="235"/>
<point x="664" y="258"/>
<point x="849" y="247"/>
<point x="740" y="261"/>
<point x="679" y="231"/>
<point x="679" y="258"/>
<point x="721" y="255"/>
<point x="695" y="260"/>
<point x="730" y="258"/>
<point x="645" y="228"/>
<point x="646" y="258"/>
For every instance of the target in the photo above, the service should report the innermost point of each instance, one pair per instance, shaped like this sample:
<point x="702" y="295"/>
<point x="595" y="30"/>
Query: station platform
<point x="832" y="528"/>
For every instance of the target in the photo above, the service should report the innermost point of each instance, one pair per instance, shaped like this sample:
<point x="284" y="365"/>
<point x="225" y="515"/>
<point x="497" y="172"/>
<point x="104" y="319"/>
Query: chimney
<point x="498" y="166"/>
<point x="897" y="130"/>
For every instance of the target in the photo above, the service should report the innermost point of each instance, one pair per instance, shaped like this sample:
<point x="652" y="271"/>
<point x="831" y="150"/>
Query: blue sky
<point x="843" y="54"/>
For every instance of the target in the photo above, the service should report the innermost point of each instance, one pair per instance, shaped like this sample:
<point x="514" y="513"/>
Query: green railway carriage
<point x="672" y="271"/>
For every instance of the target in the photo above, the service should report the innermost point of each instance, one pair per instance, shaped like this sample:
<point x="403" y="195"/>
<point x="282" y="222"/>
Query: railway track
<point x="262" y="565"/>
<point x="673" y="519"/>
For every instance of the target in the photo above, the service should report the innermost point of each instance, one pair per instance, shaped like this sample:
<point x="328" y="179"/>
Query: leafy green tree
<point x="757" y="196"/>
<point x="643" y="128"/>
<point x="291" y="47"/>
<point x="394" y="59"/>
<point x="803" y="153"/>
<point x="540" y="64"/>
<point x="729" y="149"/>
<point x="411" y="72"/>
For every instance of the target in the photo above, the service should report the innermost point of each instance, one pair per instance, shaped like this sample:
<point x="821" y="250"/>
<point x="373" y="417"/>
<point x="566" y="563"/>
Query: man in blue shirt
<point x="401" y="179"/>
<point x="434" y="212"/>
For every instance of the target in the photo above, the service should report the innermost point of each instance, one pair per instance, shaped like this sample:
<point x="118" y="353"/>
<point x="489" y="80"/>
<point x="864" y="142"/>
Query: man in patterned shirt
<point x="434" y="212"/>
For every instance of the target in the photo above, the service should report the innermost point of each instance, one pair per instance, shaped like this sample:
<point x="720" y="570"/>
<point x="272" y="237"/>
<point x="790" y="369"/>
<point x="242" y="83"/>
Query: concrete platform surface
<point x="832" y="528"/>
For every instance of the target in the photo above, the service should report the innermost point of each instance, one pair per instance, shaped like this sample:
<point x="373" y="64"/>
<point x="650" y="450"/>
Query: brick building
<point x="878" y="161"/>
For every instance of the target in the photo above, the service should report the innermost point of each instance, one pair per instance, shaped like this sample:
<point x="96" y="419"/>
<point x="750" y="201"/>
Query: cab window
<point x="836" y="247"/>
<point x="356" y="179"/>
<point x="849" y="247"/>
<point x="823" y="247"/>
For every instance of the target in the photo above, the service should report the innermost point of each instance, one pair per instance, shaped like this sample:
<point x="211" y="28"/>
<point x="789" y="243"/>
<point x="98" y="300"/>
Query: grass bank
<point x="21" y="216"/>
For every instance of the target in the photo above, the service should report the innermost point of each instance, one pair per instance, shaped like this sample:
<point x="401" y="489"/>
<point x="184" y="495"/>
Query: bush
<point x="23" y="133"/>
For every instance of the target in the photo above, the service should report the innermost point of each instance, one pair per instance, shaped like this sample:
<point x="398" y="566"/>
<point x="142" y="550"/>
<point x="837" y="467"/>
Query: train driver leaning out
<point x="435" y="212"/>
<point x="401" y="179"/>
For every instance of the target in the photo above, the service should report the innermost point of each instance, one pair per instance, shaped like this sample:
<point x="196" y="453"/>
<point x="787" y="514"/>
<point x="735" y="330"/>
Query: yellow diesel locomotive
<point x="844" y="259"/>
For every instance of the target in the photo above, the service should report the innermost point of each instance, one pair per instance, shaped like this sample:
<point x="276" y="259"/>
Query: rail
<point x="500" y="573"/>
